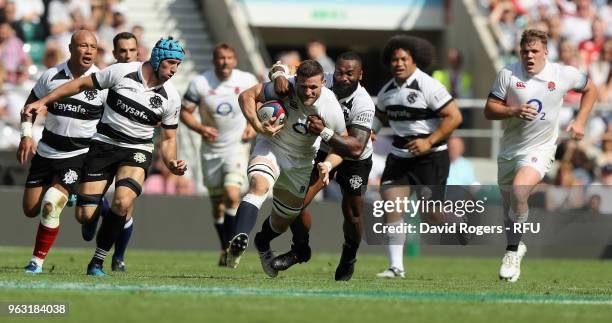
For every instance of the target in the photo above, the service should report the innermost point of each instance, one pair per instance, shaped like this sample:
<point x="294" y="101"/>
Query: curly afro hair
<point x="421" y="50"/>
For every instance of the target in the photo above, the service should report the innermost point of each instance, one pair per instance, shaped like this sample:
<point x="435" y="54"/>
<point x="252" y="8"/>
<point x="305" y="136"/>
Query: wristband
<point x="285" y="71"/>
<point x="326" y="134"/>
<point x="277" y="74"/>
<point x="26" y="129"/>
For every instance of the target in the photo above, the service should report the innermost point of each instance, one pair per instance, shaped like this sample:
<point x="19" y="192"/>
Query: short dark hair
<point x="223" y="46"/>
<point x="531" y="35"/>
<point x="349" y="56"/>
<point x="309" y="68"/>
<point x="123" y="35"/>
<point x="421" y="50"/>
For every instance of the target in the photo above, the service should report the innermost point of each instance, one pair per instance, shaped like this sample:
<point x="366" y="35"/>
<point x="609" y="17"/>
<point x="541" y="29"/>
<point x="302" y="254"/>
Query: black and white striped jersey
<point x="70" y="122"/>
<point x="358" y="110"/>
<point x="413" y="109"/>
<point x="133" y="110"/>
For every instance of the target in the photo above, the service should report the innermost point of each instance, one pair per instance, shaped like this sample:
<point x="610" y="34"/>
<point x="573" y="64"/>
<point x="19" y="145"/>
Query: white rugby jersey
<point x="358" y="109"/>
<point x="221" y="109"/>
<point x="545" y="91"/>
<point x="71" y="122"/>
<point x="412" y="109"/>
<point x="293" y="138"/>
<point x="133" y="110"/>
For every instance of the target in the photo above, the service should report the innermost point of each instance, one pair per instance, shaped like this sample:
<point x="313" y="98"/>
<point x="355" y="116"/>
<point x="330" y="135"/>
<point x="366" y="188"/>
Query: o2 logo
<point x="224" y="109"/>
<point x="538" y="104"/>
<point x="300" y="128"/>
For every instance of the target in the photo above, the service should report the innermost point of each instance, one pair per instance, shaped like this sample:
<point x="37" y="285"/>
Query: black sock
<point x="513" y="238"/>
<point x="246" y="216"/>
<point x="267" y="234"/>
<point x="220" y="232"/>
<point x="110" y="230"/>
<point x="229" y="228"/>
<point x="300" y="233"/>
<point x="352" y="234"/>
<point x="123" y="240"/>
<point x="349" y="251"/>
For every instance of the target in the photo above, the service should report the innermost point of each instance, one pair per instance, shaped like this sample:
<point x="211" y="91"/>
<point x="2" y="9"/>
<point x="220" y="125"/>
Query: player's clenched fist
<point x="526" y="112"/>
<point x="177" y="167"/>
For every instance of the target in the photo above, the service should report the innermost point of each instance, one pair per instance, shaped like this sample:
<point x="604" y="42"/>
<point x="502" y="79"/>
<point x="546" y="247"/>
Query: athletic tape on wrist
<point x="26" y="129"/>
<point x="277" y="74"/>
<point x="285" y="70"/>
<point x="326" y="134"/>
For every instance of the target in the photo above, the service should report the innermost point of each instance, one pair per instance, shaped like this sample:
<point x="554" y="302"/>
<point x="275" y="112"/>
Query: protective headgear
<point x="166" y="48"/>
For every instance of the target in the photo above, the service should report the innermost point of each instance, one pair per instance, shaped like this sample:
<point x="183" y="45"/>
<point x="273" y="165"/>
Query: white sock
<point x="395" y="247"/>
<point x="396" y="256"/>
<point x="39" y="262"/>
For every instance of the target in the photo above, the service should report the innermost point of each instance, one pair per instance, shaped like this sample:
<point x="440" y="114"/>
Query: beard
<point x="343" y="90"/>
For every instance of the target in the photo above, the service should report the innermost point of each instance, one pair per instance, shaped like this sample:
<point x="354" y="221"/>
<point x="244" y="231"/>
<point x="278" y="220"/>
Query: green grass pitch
<point x="189" y="287"/>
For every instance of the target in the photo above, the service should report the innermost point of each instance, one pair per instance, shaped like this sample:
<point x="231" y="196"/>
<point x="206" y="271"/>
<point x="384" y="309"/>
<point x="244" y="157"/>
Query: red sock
<point x="44" y="240"/>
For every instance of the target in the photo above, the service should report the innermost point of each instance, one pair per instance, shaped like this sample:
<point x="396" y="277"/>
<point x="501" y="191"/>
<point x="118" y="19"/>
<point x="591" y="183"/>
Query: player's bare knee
<point x="261" y="177"/>
<point x="121" y="204"/>
<point x="258" y="185"/>
<point x="520" y="193"/>
<point x="231" y="196"/>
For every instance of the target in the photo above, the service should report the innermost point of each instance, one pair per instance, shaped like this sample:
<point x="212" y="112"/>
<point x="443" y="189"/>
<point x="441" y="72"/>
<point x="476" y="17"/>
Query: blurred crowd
<point x="34" y="35"/>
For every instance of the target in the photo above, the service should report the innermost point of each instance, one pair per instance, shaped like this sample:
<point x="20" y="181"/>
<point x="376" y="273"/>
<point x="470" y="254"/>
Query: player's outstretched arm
<point x="331" y="161"/>
<point x="67" y="89"/>
<point x="589" y="96"/>
<point x="348" y="145"/>
<point x="168" y="152"/>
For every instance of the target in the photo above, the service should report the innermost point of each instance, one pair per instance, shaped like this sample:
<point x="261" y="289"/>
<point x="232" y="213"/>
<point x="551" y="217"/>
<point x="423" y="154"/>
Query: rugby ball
<point x="272" y="109"/>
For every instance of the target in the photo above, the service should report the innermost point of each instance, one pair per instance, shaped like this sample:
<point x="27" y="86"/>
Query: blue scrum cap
<point x="166" y="48"/>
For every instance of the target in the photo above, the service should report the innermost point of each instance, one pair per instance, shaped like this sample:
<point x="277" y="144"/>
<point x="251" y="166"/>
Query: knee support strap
<point x="51" y="207"/>
<point x="89" y="199"/>
<point x="131" y="184"/>
<point x="263" y="170"/>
